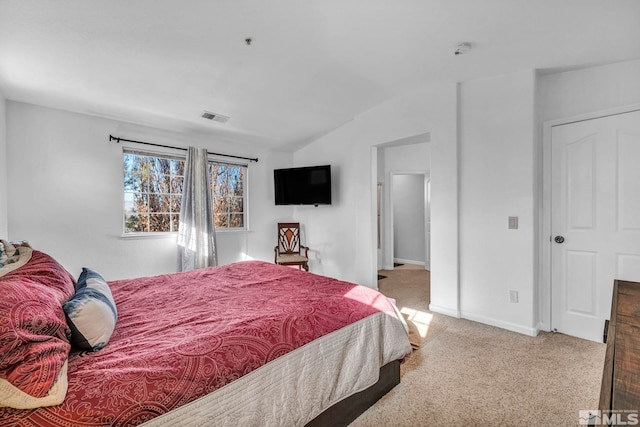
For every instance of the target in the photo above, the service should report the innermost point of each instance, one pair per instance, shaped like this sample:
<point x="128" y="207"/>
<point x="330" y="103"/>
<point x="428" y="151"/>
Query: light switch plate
<point x="513" y="297"/>
<point x="513" y="223"/>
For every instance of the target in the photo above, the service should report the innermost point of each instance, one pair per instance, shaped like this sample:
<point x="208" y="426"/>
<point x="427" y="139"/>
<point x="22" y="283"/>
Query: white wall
<point x="501" y="175"/>
<point x="497" y="176"/>
<point x="344" y="234"/>
<point x="408" y="218"/>
<point x="497" y="168"/>
<point x="65" y="193"/>
<point x="495" y="138"/>
<point x="3" y="169"/>
<point x="588" y="90"/>
<point x="485" y="158"/>
<point x="408" y="158"/>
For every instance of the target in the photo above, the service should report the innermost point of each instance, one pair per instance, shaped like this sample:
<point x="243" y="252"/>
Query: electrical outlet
<point x="513" y="297"/>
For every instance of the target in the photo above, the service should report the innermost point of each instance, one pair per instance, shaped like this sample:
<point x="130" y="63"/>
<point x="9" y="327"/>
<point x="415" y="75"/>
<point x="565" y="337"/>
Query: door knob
<point x="558" y="239"/>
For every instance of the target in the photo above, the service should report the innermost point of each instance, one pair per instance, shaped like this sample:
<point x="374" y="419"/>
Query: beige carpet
<point x="405" y="283"/>
<point x="422" y="331"/>
<point x="471" y="374"/>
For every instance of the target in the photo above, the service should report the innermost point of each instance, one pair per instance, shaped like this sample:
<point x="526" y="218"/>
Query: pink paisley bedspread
<point x="182" y="336"/>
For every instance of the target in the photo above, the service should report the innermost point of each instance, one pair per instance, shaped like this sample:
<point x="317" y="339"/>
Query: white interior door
<point x="595" y="219"/>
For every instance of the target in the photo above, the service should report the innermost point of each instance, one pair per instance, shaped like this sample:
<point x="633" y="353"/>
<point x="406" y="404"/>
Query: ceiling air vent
<point x="215" y="117"/>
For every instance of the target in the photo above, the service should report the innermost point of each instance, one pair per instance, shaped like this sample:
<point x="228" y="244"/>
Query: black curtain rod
<point x="118" y="140"/>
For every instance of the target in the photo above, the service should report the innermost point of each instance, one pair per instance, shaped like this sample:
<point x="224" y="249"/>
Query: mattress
<point x="297" y="387"/>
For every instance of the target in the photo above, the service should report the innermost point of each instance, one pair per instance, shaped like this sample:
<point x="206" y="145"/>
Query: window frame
<point x="180" y="155"/>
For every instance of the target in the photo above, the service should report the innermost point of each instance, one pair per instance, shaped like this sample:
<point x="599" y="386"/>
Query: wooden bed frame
<point x="347" y="410"/>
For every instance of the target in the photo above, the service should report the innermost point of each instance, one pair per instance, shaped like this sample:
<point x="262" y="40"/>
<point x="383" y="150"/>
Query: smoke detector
<point x="215" y="117"/>
<point x="462" y="48"/>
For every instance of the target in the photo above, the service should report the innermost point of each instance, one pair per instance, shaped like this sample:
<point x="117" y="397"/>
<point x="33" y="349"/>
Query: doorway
<point x="406" y="157"/>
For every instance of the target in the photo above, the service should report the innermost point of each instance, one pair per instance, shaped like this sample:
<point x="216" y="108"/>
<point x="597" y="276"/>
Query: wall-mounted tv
<point x="303" y="186"/>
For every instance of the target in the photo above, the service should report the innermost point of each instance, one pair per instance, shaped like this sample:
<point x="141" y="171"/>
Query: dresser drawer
<point x="627" y="309"/>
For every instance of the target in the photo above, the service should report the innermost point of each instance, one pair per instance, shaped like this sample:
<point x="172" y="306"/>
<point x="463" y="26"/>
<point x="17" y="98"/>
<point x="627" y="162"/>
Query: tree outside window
<point x="153" y="193"/>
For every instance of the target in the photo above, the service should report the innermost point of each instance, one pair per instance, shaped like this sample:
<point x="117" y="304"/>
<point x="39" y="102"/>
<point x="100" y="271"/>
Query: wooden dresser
<point x="620" y="390"/>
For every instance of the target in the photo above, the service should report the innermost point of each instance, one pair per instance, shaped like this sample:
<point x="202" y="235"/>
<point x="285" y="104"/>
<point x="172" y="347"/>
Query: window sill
<point x="128" y="236"/>
<point x="174" y="235"/>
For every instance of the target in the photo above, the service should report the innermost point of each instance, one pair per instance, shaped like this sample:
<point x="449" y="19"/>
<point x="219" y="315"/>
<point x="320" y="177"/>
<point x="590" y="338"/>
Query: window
<point x="153" y="192"/>
<point x="227" y="189"/>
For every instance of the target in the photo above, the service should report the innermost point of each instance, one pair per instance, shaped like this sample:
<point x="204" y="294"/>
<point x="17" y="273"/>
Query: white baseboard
<point x="525" y="330"/>
<point x="408" y="261"/>
<point x="444" y="310"/>
<point x="542" y="326"/>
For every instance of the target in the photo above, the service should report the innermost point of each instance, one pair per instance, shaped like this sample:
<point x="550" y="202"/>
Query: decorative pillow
<point x="91" y="313"/>
<point x="33" y="329"/>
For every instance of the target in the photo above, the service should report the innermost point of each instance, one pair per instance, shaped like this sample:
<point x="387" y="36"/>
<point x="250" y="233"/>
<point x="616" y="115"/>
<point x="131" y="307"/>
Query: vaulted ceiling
<point x="310" y="66"/>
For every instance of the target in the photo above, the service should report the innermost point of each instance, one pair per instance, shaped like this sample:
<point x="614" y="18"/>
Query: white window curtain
<point x="196" y="231"/>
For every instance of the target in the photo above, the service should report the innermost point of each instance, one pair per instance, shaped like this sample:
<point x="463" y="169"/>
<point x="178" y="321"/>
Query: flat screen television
<point x="303" y="186"/>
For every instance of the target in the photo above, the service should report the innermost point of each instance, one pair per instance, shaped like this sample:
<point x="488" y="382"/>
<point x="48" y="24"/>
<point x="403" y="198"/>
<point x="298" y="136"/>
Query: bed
<point x="250" y="343"/>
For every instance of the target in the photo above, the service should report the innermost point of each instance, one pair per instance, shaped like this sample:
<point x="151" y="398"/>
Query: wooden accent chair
<point x="289" y="250"/>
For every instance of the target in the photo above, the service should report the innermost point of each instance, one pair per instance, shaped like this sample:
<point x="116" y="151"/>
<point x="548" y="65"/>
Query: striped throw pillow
<point x="91" y="312"/>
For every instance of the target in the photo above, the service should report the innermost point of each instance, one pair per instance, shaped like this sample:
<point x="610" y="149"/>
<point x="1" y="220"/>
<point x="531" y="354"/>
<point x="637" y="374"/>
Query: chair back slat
<point x="289" y="238"/>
